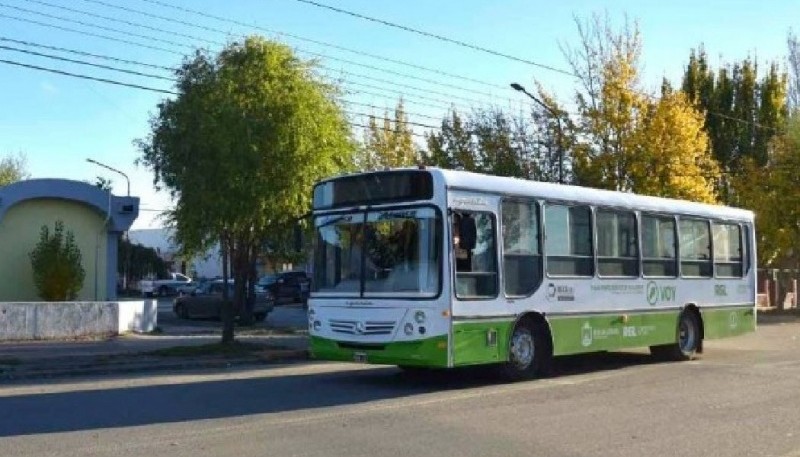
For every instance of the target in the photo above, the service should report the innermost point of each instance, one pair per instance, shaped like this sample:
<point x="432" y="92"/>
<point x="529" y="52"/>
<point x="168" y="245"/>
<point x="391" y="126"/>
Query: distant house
<point x="205" y="265"/>
<point x="96" y="218"/>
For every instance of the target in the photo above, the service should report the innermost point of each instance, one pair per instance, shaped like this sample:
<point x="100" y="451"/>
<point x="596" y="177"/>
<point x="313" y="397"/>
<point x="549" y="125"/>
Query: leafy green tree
<point x="239" y="148"/>
<point x="452" y="146"/>
<point x="56" y="261"/>
<point x="12" y="169"/>
<point x="388" y="142"/>
<point x="742" y="112"/>
<point x="136" y="262"/>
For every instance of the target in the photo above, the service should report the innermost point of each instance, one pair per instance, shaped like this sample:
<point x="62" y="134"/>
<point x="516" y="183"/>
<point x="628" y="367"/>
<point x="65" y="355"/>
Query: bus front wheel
<point x="527" y="352"/>
<point x="687" y="340"/>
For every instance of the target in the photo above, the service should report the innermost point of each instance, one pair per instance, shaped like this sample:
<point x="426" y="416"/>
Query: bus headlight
<point x="409" y="329"/>
<point x="419" y="317"/>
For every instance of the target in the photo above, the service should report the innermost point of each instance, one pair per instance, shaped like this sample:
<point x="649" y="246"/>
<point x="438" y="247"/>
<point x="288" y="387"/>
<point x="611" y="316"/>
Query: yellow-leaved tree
<point x="628" y="140"/>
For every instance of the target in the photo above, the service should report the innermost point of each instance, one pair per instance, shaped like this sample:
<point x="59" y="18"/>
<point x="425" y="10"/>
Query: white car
<point x="166" y="286"/>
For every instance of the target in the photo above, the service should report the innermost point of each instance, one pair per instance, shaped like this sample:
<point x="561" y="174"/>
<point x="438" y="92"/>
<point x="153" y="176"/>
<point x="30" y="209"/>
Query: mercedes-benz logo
<point x="360" y="328"/>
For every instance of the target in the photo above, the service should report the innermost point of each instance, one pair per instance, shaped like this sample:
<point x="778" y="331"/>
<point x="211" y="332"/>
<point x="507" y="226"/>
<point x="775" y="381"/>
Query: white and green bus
<point x="441" y="268"/>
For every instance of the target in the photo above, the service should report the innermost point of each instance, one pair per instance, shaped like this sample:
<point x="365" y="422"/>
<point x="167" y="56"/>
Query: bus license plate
<point x="360" y="357"/>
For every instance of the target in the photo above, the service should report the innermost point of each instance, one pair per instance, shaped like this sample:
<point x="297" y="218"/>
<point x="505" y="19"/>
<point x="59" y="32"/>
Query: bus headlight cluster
<point x="419" y="317"/>
<point x="409" y="329"/>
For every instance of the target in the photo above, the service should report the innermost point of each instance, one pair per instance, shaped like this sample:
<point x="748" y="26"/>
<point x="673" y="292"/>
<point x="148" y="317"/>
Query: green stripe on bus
<point x="431" y="352"/>
<point x="576" y="334"/>
<point x="478" y="342"/>
<point x="724" y="322"/>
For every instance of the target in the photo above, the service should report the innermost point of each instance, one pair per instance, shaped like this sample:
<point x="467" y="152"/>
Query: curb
<point x="141" y="363"/>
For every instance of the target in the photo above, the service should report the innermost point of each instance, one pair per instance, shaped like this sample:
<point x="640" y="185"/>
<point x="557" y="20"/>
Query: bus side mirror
<point x="468" y="233"/>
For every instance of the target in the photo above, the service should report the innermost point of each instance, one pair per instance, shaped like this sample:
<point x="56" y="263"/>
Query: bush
<point x="56" y="261"/>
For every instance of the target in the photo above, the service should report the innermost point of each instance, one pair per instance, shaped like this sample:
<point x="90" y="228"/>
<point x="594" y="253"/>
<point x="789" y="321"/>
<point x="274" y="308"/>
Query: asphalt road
<point x="741" y="399"/>
<point x="283" y="316"/>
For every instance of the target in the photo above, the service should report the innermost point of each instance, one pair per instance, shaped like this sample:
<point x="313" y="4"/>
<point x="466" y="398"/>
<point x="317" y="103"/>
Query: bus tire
<point x="687" y="340"/>
<point x="527" y="352"/>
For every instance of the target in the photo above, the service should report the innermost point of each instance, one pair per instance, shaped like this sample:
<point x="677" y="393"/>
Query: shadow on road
<point x="131" y="406"/>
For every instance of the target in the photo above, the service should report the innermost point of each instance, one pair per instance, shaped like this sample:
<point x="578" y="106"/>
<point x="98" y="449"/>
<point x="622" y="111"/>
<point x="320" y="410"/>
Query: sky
<point x="59" y="121"/>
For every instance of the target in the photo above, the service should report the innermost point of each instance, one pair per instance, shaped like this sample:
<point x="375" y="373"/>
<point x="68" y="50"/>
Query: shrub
<point x="56" y="261"/>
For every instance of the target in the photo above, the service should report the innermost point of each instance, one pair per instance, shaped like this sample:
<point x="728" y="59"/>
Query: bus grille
<point x="367" y="327"/>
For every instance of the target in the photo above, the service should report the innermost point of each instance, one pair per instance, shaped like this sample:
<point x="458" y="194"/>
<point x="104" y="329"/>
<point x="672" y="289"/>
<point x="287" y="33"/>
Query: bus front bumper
<point x="429" y="352"/>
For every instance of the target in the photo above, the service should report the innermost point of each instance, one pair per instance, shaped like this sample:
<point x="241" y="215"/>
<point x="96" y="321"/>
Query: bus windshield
<point x="388" y="253"/>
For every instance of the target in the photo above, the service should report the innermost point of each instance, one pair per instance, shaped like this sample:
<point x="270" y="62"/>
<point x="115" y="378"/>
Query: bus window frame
<point x="676" y="241"/>
<point x="540" y="241"/>
<point x="636" y="225"/>
<point x="568" y="204"/>
<point x="745" y="260"/>
<point x="493" y="215"/>
<point x="707" y="221"/>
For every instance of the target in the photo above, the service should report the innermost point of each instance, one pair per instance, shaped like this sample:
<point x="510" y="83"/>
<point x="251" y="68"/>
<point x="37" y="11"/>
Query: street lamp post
<point x="557" y="116"/>
<point x="114" y="170"/>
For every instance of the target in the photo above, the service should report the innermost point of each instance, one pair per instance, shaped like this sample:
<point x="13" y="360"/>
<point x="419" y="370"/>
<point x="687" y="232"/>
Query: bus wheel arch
<point x="694" y="309"/>
<point x="689" y="336"/>
<point x="539" y="329"/>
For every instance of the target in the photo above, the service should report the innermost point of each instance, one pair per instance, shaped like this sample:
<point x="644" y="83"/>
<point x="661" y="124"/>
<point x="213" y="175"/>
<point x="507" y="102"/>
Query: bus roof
<point x="524" y="188"/>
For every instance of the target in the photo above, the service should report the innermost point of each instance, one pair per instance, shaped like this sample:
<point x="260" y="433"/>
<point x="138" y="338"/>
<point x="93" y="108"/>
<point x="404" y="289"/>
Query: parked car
<point x="164" y="286"/>
<point x="287" y="286"/>
<point x="206" y="302"/>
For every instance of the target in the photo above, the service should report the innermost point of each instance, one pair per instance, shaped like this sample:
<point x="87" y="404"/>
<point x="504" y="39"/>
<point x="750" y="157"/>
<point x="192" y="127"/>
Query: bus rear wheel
<point x="686" y="343"/>
<point x="527" y="352"/>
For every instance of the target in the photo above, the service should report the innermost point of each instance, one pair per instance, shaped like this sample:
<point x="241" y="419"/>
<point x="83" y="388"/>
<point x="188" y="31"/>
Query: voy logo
<point x="656" y="293"/>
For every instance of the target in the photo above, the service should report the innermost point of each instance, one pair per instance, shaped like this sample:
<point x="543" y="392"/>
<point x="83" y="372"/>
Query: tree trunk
<point x="227" y="304"/>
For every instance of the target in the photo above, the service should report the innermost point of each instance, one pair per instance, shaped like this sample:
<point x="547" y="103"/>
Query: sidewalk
<point x="137" y="353"/>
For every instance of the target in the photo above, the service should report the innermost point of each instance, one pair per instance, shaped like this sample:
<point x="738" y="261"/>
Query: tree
<point x="388" y="142"/>
<point x="103" y="184"/>
<point x="624" y="136"/>
<point x="772" y="191"/>
<point x="56" y="261"/>
<point x="452" y="147"/>
<point x="13" y="169"/>
<point x="239" y="148"/>
<point x="742" y="113"/>
<point x="793" y="93"/>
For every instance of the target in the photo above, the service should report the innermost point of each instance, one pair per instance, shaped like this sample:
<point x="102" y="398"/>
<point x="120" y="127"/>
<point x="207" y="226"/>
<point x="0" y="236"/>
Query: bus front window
<point x="394" y="253"/>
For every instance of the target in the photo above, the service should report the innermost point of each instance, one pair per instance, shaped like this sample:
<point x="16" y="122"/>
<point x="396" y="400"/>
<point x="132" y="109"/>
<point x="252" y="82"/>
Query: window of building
<point x="522" y="258"/>
<point x="695" y="248"/>
<point x="659" y="256"/>
<point x="568" y="244"/>
<point x="727" y="250"/>
<point x="617" y="244"/>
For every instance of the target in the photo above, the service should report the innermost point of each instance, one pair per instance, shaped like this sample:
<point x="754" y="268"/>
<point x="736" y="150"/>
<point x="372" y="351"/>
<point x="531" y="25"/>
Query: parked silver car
<point x="206" y="302"/>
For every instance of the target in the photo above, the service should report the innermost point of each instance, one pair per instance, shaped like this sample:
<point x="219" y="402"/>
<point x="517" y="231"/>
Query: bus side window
<point x="727" y="250"/>
<point x="696" y="258"/>
<point x="617" y="246"/>
<point x="659" y="257"/>
<point x="568" y="240"/>
<point x="475" y="255"/>
<point x="522" y="258"/>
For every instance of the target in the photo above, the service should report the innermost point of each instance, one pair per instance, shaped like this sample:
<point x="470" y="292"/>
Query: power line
<point x="438" y="37"/>
<point x="296" y="37"/>
<point x="99" y="27"/>
<point x="218" y="43"/>
<point x="92" y="78"/>
<point x="83" y="32"/>
<point x="384" y="118"/>
<point x="85" y="54"/>
<point x="146" y="37"/>
<point x="123" y="21"/>
<point x="82" y="62"/>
